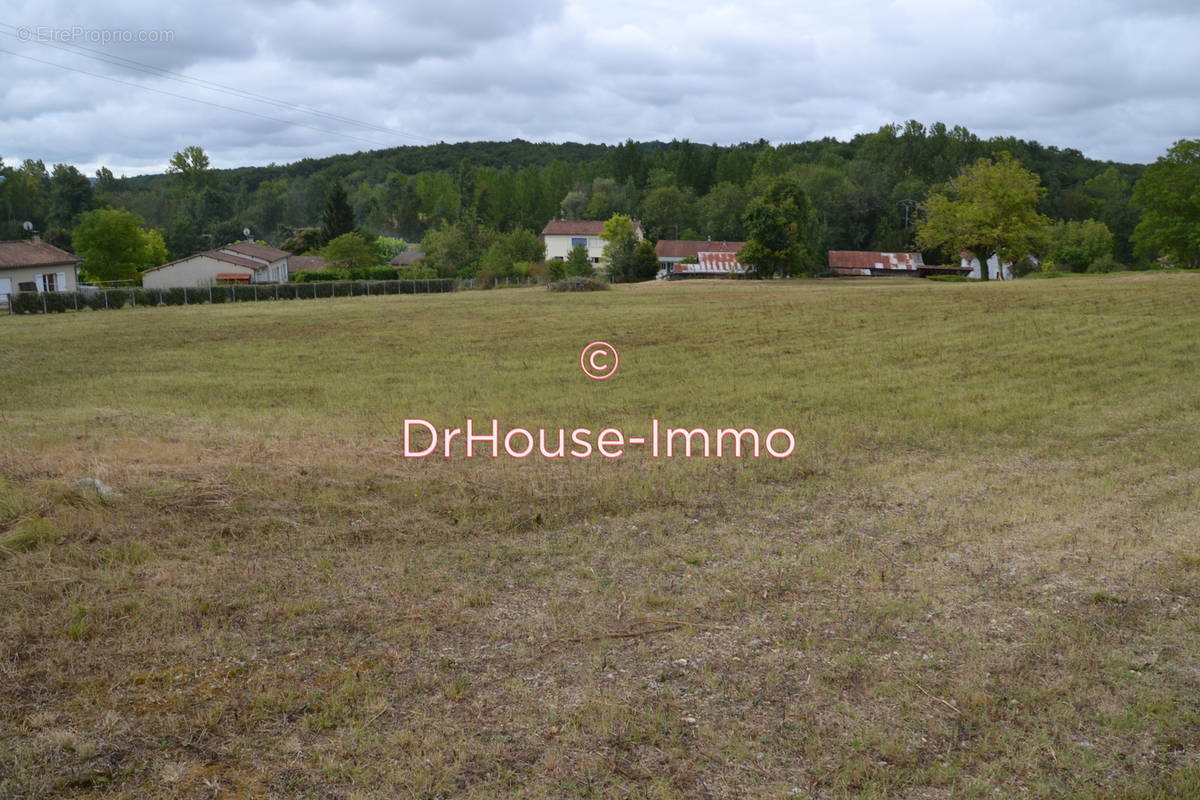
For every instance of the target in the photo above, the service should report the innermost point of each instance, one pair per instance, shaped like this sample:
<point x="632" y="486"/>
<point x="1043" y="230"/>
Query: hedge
<point x="52" y="302"/>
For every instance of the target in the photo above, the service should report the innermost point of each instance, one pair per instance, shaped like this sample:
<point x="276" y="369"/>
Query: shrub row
<point x="381" y="273"/>
<point x="51" y="302"/>
<point x="577" y="284"/>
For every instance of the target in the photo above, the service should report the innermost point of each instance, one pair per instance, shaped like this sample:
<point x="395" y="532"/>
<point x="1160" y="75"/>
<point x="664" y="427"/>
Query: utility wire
<point x="150" y="69"/>
<point x="197" y="100"/>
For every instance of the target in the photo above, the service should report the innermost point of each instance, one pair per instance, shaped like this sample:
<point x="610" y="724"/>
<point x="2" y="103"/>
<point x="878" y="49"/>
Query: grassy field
<point x="979" y="575"/>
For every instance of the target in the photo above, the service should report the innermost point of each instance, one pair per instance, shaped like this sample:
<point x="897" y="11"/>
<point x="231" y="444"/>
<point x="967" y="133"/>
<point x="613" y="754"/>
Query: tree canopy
<point x="115" y="246"/>
<point x="775" y="223"/>
<point x="1169" y="194"/>
<point x="991" y="207"/>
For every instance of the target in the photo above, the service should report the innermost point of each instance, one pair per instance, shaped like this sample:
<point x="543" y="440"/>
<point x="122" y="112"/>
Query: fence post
<point x="210" y="293"/>
<point x="232" y="296"/>
<point x="76" y="299"/>
<point x="255" y="285"/>
<point x="44" y="311"/>
<point x="133" y="296"/>
<point x="105" y="292"/>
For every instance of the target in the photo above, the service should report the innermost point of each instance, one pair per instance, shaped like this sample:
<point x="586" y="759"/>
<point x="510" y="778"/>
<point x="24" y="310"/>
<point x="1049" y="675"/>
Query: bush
<point x="577" y="284"/>
<point x="374" y="274"/>
<point x="1105" y="263"/>
<point x="313" y="275"/>
<point x="55" y="302"/>
<point x="415" y="272"/>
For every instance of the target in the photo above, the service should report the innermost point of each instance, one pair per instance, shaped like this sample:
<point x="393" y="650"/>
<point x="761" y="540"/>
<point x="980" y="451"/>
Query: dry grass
<point x="979" y="577"/>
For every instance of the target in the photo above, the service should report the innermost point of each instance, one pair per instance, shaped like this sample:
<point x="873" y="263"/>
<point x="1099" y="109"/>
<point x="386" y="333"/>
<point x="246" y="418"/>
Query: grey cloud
<point x="1114" y="79"/>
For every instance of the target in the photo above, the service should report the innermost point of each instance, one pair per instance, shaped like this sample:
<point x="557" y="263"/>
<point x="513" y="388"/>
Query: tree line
<point x="477" y="207"/>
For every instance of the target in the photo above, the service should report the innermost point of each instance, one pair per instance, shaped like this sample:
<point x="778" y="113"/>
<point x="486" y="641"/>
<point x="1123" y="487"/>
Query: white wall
<point x="993" y="268"/>
<point x="195" y="271"/>
<point x="64" y="276"/>
<point x="559" y="246"/>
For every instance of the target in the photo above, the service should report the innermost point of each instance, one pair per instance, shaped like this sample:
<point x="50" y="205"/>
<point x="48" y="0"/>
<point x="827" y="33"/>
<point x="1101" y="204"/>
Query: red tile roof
<point x="33" y="253"/>
<point x="578" y="227"/>
<point x="306" y="263"/>
<point x="864" y="259"/>
<point x="688" y="248"/>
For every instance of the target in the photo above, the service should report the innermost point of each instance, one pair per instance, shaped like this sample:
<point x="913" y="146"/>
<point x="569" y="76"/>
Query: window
<point x="26" y="286"/>
<point x="579" y="240"/>
<point x="49" y="282"/>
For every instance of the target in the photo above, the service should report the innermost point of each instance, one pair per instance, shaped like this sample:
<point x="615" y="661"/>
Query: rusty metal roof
<point x="865" y="259"/>
<point x="33" y="253"/>
<point x="691" y="248"/>
<point x="716" y="262"/>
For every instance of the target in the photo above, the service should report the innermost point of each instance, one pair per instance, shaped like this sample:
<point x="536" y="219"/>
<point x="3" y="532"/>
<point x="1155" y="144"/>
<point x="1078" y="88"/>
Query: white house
<point x="240" y="262"/>
<point x="31" y="265"/>
<point x="560" y="235"/>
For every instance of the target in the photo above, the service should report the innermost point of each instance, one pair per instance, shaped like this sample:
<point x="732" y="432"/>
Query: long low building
<point x="868" y="263"/>
<point x="240" y="262"/>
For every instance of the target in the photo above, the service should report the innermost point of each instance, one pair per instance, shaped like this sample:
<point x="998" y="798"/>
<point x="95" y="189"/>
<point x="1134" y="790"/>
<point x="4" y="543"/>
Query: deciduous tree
<point x="775" y="222"/>
<point x="1077" y="244"/>
<point x="115" y="246"/>
<point x="991" y="207"/>
<point x="1169" y="194"/>
<point x="350" y="251"/>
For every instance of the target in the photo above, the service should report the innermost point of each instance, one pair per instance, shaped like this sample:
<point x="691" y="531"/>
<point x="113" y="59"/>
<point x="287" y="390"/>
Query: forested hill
<point x="863" y="192"/>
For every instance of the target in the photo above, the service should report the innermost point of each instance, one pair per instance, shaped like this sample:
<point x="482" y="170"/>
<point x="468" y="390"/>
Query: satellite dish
<point x="246" y="232"/>
<point x="27" y="225"/>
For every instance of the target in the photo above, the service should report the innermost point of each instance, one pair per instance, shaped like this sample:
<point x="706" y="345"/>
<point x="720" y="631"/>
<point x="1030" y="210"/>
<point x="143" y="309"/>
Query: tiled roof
<point x="578" y="227"/>
<point x="864" y="259"/>
<point x="306" y="263"/>
<point x="33" y="253"/>
<point x="689" y="248"/>
<point x="255" y="250"/>
<point x="216" y="255"/>
<point x="407" y="257"/>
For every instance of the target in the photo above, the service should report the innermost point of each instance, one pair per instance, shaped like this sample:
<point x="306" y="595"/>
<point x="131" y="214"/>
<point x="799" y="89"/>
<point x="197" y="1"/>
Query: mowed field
<point x="978" y="576"/>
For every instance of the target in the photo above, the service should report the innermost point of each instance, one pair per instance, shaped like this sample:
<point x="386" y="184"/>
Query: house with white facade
<point x="31" y="265"/>
<point x="560" y="235"/>
<point x="240" y="262"/>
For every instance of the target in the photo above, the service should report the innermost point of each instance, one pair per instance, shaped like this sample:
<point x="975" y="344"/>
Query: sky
<point x="261" y="81"/>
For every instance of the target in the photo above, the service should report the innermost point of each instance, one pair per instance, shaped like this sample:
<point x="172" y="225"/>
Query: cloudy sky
<point x="1116" y="79"/>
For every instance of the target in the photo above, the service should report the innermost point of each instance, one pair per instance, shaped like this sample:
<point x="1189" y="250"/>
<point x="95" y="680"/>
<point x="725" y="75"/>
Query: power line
<point x="197" y="100"/>
<point x="150" y="69"/>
